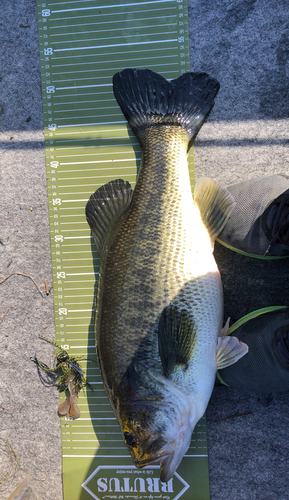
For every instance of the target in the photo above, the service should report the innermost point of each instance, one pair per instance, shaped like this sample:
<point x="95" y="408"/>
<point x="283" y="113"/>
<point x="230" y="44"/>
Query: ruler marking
<point x="98" y="161"/>
<point x="113" y="6"/>
<point x="115" y="29"/>
<point x="115" y="45"/>
<point x="108" y="15"/>
<point x="81" y="109"/>
<point x="110" y="22"/>
<point x="107" y="54"/>
<point x="88" y="193"/>
<point x="82" y="116"/>
<point x="97" y="71"/>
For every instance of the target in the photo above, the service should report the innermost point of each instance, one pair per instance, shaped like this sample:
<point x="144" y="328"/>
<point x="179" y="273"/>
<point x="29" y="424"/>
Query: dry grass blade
<point x="2" y="319"/>
<point x="8" y="461"/>
<point x="21" y="274"/>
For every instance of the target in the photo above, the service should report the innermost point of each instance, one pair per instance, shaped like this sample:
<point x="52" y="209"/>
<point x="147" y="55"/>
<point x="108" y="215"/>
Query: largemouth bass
<point x="159" y="306"/>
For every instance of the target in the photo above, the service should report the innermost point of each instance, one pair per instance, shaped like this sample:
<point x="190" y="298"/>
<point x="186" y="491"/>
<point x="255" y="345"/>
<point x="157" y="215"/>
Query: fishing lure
<point x="70" y="377"/>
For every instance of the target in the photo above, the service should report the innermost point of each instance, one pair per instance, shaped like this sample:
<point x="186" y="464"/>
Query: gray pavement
<point x="245" y="45"/>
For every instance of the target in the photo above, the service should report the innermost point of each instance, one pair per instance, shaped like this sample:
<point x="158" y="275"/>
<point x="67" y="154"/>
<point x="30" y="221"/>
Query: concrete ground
<point x="245" y="45"/>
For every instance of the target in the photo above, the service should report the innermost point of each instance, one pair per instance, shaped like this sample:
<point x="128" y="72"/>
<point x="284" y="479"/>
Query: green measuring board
<point x="88" y="143"/>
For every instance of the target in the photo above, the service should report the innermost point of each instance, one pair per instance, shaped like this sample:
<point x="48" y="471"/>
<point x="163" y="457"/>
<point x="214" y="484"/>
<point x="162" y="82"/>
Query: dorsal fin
<point x="176" y="336"/>
<point x="215" y="203"/>
<point x="105" y="206"/>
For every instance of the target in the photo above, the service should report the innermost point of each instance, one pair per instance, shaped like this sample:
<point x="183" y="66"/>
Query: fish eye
<point x="129" y="439"/>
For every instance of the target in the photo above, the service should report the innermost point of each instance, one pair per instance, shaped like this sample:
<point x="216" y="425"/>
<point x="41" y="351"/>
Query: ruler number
<point x="46" y="12"/>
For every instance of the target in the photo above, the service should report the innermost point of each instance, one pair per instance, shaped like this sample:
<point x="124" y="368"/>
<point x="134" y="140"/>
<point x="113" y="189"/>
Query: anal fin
<point x="105" y="206"/>
<point x="176" y="336"/>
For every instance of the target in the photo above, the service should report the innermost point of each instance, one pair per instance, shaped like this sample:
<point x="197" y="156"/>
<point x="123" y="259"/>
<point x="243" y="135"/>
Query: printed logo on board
<point x="126" y="482"/>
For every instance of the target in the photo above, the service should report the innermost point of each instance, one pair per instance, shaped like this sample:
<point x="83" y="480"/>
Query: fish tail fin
<point x="147" y="99"/>
<point x="215" y="203"/>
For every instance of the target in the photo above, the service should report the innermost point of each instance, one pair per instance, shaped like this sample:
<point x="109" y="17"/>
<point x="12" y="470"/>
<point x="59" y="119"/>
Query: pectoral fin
<point x="105" y="206"/>
<point x="176" y="336"/>
<point x="215" y="204"/>
<point x="229" y="351"/>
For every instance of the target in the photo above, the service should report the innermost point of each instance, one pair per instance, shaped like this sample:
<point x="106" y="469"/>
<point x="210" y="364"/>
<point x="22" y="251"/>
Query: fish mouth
<point x="158" y="450"/>
<point x="170" y="463"/>
<point x="167" y="471"/>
